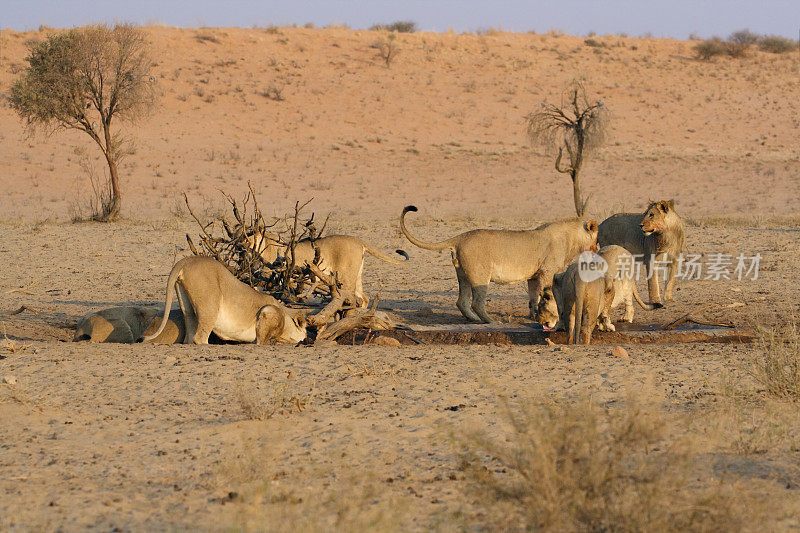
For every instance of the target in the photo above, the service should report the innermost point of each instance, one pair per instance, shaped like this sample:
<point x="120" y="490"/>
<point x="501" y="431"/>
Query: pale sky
<point x="673" y="18"/>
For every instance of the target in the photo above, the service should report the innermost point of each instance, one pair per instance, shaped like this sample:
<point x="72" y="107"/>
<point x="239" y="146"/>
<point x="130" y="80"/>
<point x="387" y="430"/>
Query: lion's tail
<point x="646" y="307"/>
<point x="383" y="257"/>
<point x="177" y="270"/>
<point x="442" y="245"/>
<point x="580" y="292"/>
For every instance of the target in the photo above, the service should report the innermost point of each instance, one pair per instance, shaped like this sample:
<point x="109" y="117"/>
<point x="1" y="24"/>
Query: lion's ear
<point x="671" y="204"/>
<point x="662" y="205"/>
<point x="591" y="226"/>
<point x="301" y="320"/>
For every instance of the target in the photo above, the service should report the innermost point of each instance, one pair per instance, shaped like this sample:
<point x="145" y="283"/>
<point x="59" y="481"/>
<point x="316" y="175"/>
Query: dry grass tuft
<point x="582" y="466"/>
<point x="257" y="405"/>
<point x="776" y="365"/>
<point x="258" y="499"/>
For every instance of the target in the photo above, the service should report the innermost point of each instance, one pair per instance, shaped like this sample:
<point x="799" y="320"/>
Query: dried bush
<point x="582" y="466"/>
<point x="273" y="92"/>
<point x="775" y="44"/>
<point x="745" y="37"/>
<point x="387" y="48"/>
<point x="259" y="405"/>
<point x="400" y="26"/>
<point x="776" y="365"/>
<point x="716" y="47"/>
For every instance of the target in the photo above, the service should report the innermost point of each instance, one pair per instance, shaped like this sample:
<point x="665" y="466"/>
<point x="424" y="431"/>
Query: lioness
<point x="506" y="256"/>
<point x="656" y="235"/>
<point x="213" y="300"/>
<point x="342" y="254"/>
<point x="618" y="260"/>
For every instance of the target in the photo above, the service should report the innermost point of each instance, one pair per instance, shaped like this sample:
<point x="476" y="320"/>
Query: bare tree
<point x="83" y="79"/>
<point x="577" y="126"/>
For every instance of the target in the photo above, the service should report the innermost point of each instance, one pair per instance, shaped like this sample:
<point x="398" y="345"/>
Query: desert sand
<point x="142" y="437"/>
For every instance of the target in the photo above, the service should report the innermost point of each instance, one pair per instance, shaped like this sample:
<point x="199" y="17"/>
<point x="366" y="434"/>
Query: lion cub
<point x="580" y="302"/>
<point x="505" y="256"/>
<point x="658" y="234"/>
<point x="213" y="300"/>
<point x="619" y="287"/>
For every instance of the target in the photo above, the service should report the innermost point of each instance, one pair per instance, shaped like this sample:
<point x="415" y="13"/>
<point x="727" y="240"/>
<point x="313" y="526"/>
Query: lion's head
<point x="547" y="312"/>
<point x="657" y="217"/>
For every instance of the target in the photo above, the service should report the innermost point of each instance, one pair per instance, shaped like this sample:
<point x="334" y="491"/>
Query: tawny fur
<point x="619" y="263"/>
<point x="116" y="324"/>
<point x="506" y="256"/>
<point x="658" y="234"/>
<point x="340" y="254"/>
<point x="580" y="302"/>
<point x="173" y="333"/>
<point x="213" y="300"/>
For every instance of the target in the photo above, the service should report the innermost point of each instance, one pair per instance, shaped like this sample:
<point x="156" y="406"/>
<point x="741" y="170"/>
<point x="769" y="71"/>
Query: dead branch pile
<point x="238" y="244"/>
<point x="241" y="244"/>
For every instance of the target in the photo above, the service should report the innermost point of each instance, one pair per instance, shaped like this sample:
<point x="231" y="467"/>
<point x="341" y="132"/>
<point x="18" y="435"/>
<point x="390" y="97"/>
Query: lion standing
<point x="657" y="235"/>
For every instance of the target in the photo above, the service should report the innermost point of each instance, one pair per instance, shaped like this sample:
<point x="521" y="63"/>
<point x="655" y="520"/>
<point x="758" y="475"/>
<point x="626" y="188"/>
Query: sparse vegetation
<point x="577" y="125"/>
<point x="581" y="466"/>
<point x="83" y="79"/>
<point x="387" y="48"/>
<point x="739" y="43"/>
<point x="273" y="92"/>
<point x="776" y="44"/>
<point x="207" y="38"/>
<point x="745" y="37"/>
<point x="400" y="26"/>
<point x="259" y="405"/>
<point x="258" y="501"/>
<point x="776" y="365"/>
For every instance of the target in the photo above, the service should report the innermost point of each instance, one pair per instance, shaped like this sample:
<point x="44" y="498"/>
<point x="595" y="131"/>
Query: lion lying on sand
<point x="126" y="324"/>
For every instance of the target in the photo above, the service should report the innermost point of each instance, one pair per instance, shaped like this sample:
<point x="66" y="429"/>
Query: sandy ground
<point x="135" y="437"/>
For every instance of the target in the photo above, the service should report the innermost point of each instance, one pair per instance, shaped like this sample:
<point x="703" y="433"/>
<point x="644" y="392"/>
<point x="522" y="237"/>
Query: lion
<point x="213" y="300"/>
<point x="580" y="302"/>
<point x="618" y="261"/>
<point x="126" y="324"/>
<point x="657" y="235"/>
<point x="339" y="254"/>
<point x="116" y="324"/>
<point x="506" y="256"/>
<point x="173" y="333"/>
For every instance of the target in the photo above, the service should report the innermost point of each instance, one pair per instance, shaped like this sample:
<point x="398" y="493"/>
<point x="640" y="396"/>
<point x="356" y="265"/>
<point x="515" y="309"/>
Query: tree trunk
<point x="580" y="206"/>
<point x="111" y="206"/>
